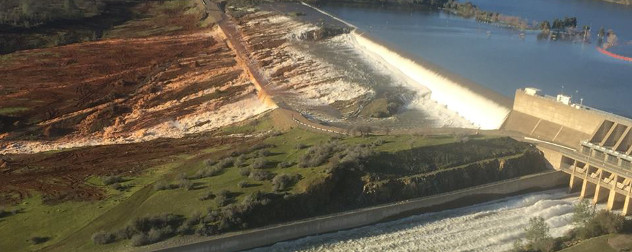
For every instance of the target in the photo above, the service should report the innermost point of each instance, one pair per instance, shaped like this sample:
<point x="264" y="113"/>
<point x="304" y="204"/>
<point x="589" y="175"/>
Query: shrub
<point x="195" y="219"/>
<point x="39" y="239"/>
<point x="260" y="146"/>
<point x="282" y="182"/>
<point x="124" y="233"/>
<point x="108" y="180"/>
<point x="254" y="199"/>
<point x="260" y="175"/>
<point x="243" y="184"/>
<point x="285" y="164"/>
<point x="240" y="160"/>
<point x="145" y="224"/>
<point x="208" y="172"/>
<point x="583" y="213"/>
<point x="264" y="153"/>
<point x="6" y="213"/>
<point x="379" y="142"/>
<point x="226" y="162"/>
<point x="259" y="163"/>
<point x="163" y="185"/>
<point x="210" y="162"/>
<point x="604" y="222"/>
<point x="208" y="196"/>
<point x="186" y="229"/>
<point x="212" y="216"/>
<point x="222" y="200"/>
<point x="300" y="146"/>
<point x="537" y="237"/>
<point x="225" y="193"/>
<point x="185" y="184"/>
<point x="140" y="240"/>
<point x="244" y="171"/>
<point x="118" y="187"/>
<point x="318" y="155"/>
<point x="207" y="230"/>
<point x="103" y="237"/>
<point x="158" y="234"/>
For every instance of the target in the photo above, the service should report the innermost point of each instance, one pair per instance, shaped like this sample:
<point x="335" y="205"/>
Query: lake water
<point x="500" y="59"/>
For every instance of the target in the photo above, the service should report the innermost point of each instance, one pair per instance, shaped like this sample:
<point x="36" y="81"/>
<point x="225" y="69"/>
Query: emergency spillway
<point x="482" y="111"/>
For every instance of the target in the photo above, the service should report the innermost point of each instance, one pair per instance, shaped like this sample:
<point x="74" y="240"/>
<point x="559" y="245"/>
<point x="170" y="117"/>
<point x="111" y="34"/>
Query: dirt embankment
<point x="121" y="90"/>
<point x="62" y="176"/>
<point x="297" y="77"/>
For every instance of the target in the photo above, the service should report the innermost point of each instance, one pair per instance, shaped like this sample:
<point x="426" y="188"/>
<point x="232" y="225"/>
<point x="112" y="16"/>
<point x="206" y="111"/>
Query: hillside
<point x="229" y="179"/>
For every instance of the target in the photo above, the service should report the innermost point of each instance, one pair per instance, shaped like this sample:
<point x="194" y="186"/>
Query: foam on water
<point x="492" y="226"/>
<point x="481" y="111"/>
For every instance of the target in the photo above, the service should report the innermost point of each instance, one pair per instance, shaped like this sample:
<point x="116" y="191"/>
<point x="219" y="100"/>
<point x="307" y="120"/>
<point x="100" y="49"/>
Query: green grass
<point x="71" y="224"/>
<point x="12" y="110"/>
<point x="594" y="244"/>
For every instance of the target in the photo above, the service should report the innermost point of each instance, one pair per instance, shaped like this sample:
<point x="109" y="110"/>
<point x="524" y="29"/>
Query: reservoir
<point x="500" y="59"/>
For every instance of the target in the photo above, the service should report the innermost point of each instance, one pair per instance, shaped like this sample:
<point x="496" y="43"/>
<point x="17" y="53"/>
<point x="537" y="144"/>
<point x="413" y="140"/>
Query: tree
<point x="601" y="33"/>
<point x="545" y="26"/>
<point x="537" y="235"/>
<point x="583" y="213"/>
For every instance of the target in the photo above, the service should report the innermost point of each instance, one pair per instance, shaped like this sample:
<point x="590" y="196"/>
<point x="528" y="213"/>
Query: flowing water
<point x="501" y="59"/>
<point x="492" y="226"/>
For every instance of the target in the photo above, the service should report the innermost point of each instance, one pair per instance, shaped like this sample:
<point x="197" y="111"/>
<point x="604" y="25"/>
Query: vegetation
<point x="324" y="175"/>
<point x="558" y="29"/>
<point x="537" y="237"/>
<point x="588" y="224"/>
<point x="28" y="24"/>
<point x="282" y="182"/>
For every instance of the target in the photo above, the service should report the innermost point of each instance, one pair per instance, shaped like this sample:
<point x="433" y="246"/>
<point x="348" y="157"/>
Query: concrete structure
<point x="593" y="146"/>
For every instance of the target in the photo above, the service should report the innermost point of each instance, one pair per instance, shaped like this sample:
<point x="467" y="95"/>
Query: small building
<point x="564" y="99"/>
<point x="533" y="91"/>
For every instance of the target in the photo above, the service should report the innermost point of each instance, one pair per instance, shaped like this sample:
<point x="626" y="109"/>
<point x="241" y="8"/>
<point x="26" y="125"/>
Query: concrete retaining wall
<point x="357" y="218"/>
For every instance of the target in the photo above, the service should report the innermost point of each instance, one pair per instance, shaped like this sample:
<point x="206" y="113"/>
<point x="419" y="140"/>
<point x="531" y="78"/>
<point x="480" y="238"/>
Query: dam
<point x="594" y="147"/>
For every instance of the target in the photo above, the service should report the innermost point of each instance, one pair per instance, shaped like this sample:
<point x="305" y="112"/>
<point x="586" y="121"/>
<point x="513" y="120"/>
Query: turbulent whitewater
<point x="492" y="226"/>
<point x="481" y="111"/>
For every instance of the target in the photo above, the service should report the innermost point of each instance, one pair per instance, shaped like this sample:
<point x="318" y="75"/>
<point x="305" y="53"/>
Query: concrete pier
<point x="593" y="146"/>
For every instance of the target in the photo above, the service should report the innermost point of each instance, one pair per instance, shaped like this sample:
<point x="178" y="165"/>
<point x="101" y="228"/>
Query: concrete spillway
<point x="480" y="110"/>
<point x="492" y="226"/>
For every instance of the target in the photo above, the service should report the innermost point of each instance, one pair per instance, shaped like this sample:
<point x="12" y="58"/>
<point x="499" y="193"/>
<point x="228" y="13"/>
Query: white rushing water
<point x="481" y="111"/>
<point x="492" y="226"/>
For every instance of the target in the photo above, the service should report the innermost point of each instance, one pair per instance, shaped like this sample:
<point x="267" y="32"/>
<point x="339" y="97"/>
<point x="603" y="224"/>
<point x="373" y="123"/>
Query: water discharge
<point x="492" y="226"/>
<point x="474" y="107"/>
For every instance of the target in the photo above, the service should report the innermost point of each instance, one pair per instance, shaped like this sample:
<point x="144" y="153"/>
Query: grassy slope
<point x="71" y="224"/>
<point x="594" y="244"/>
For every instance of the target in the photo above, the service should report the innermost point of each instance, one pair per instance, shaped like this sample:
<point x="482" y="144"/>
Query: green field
<point x="70" y="225"/>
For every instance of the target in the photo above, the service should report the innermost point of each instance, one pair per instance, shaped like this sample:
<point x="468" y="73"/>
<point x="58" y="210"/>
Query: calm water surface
<point x="499" y="59"/>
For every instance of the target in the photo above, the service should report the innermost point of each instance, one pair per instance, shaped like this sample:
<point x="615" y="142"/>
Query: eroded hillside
<point x="122" y="90"/>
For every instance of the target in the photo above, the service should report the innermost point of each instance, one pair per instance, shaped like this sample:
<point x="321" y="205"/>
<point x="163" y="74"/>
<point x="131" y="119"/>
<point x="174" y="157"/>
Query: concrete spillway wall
<point x="480" y="109"/>
<point x="357" y="218"/>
